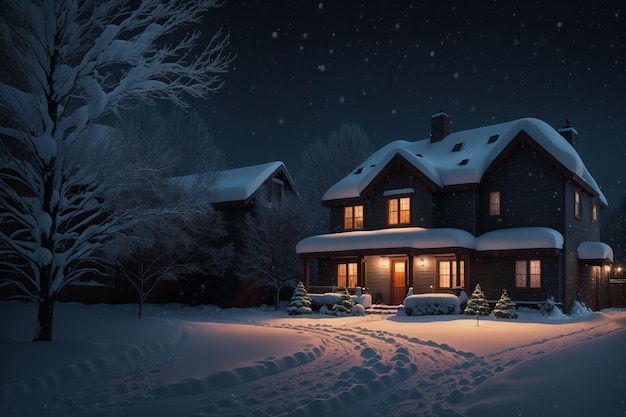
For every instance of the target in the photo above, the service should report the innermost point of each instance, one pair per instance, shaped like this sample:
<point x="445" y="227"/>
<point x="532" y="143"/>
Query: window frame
<point x="400" y="216"/>
<point x="452" y="266"/>
<point x="351" y="221"/>
<point x="492" y="204"/>
<point x="530" y="275"/>
<point x="594" y="212"/>
<point x="578" y="204"/>
<point x="349" y="272"/>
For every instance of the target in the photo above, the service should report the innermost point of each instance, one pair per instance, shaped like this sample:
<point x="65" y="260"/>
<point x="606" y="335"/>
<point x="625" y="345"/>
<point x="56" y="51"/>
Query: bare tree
<point x="81" y="60"/>
<point x="326" y="162"/>
<point x="172" y="246"/>
<point x="270" y="232"/>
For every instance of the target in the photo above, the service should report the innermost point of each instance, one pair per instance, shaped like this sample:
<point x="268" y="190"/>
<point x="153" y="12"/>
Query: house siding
<point x="531" y="193"/>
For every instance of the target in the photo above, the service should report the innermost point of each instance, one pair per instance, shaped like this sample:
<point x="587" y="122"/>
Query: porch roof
<point x="396" y="238"/>
<point x="438" y="238"/>
<point x="595" y="251"/>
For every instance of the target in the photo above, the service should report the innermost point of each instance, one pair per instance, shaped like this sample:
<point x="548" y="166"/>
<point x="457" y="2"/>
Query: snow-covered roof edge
<point x="518" y="238"/>
<point x="237" y="184"/>
<point x="594" y="251"/>
<point x="467" y="166"/>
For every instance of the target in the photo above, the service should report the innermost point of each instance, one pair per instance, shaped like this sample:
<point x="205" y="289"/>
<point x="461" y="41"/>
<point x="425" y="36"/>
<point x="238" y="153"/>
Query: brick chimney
<point x="569" y="133"/>
<point x="439" y="126"/>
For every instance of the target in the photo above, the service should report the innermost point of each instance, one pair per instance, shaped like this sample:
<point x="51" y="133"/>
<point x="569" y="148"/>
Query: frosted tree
<point x="343" y="307"/>
<point x="505" y="307"/>
<point x="80" y="61"/>
<point x="477" y="303"/>
<point x="269" y="234"/>
<point x="326" y="162"/>
<point x="300" y="302"/>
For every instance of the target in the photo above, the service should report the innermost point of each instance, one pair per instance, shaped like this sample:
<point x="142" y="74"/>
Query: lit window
<point x="494" y="203"/>
<point x="578" y="205"/>
<point x="353" y="217"/>
<point x="528" y="274"/>
<point x="447" y="274"/>
<point x="399" y="210"/>
<point x="347" y="275"/>
<point x="594" y="213"/>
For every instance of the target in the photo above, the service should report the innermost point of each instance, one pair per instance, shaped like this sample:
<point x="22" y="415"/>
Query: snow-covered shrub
<point x="344" y="305"/>
<point x="550" y="309"/>
<point x="580" y="309"/>
<point x="358" y="310"/>
<point x="430" y="304"/>
<point x="300" y="302"/>
<point x="505" y="307"/>
<point x="477" y="303"/>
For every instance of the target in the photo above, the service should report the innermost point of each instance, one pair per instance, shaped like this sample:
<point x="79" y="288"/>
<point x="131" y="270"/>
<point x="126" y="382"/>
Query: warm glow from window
<point x="399" y="210"/>
<point x="353" y="217"/>
<point x="448" y="273"/>
<point x="577" y="204"/>
<point x="347" y="275"/>
<point x="528" y="274"/>
<point x="494" y="203"/>
<point x="594" y="213"/>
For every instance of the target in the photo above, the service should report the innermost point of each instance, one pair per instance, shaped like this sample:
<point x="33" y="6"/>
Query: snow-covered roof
<point x="595" y="250"/>
<point x="421" y="238"/>
<point x="520" y="238"/>
<point x="478" y="148"/>
<point x="236" y="184"/>
<point x="396" y="238"/>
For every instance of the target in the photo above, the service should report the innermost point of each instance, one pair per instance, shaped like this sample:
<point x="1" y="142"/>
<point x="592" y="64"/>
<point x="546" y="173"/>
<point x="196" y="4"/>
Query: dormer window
<point x="358" y="171"/>
<point x="493" y="138"/>
<point x="399" y="210"/>
<point x="463" y="162"/>
<point x="353" y="218"/>
<point x="276" y="190"/>
<point x="458" y="147"/>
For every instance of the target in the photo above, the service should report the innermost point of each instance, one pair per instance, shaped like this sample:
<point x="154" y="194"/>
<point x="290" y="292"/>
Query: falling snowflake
<point x="321" y="67"/>
<point x="274" y="34"/>
<point x="342" y="100"/>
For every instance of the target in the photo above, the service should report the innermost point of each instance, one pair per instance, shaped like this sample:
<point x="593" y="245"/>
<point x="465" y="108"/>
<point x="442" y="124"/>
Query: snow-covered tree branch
<point x="269" y="234"/>
<point x="78" y="61"/>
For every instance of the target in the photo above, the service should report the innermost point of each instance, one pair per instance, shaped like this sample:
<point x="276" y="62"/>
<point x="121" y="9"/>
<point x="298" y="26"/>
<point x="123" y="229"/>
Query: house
<point x="233" y="193"/>
<point x="507" y="206"/>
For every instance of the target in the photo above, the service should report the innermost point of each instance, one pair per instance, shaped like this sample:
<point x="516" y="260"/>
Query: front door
<point x="398" y="281"/>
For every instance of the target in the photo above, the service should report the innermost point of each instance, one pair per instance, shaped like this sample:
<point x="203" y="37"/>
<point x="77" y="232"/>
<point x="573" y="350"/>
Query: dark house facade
<point x="233" y="192"/>
<point x="505" y="206"/>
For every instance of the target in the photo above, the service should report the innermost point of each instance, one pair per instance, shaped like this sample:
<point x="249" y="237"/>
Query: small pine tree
<point x="344" y="305"/>
<point x="477" y="304"/>
<point x="300" y="301"/>
<point x="505" y="307"/>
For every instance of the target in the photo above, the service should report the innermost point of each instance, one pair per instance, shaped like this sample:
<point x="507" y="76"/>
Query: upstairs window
<point x="594" y="213"/>
<point x="399" y="210"/>
<point x="353" y="218"/>
<point x="276" y="189"/>
<point x="528" y="274"/>
<point x="578" y="204"/>
<point x="347" y="275"/>
<point x="495" y="203"/>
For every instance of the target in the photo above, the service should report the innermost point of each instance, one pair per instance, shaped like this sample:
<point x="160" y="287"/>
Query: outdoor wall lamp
<point x="422" y="261"/>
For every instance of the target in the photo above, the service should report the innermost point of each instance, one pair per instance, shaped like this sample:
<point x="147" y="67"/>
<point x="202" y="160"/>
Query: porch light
<point x="422" y="261"/>
<point x="385" y="262"/>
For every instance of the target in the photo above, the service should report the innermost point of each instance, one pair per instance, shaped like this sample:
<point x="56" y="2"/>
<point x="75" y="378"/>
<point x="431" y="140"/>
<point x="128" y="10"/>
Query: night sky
<point x="304" y="67"/>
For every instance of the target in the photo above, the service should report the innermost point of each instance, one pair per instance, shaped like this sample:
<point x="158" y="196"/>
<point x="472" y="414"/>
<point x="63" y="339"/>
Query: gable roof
<point x="463" y="157"/>
<point x="235" y="185"/>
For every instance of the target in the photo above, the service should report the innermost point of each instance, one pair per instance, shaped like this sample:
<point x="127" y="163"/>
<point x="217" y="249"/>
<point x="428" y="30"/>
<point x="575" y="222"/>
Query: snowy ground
<point x="182" y="361"/>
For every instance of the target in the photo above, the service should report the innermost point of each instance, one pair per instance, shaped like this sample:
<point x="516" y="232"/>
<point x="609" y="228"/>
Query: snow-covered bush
<point x="300" y="302"/>
<point x="550" y="309"/>
<point x="430" y="304"/>
<point x="477" y="303"/>
<point x="580" y="309"/>
<point x="505" y="307"/>
<point x="344" y="305"/>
